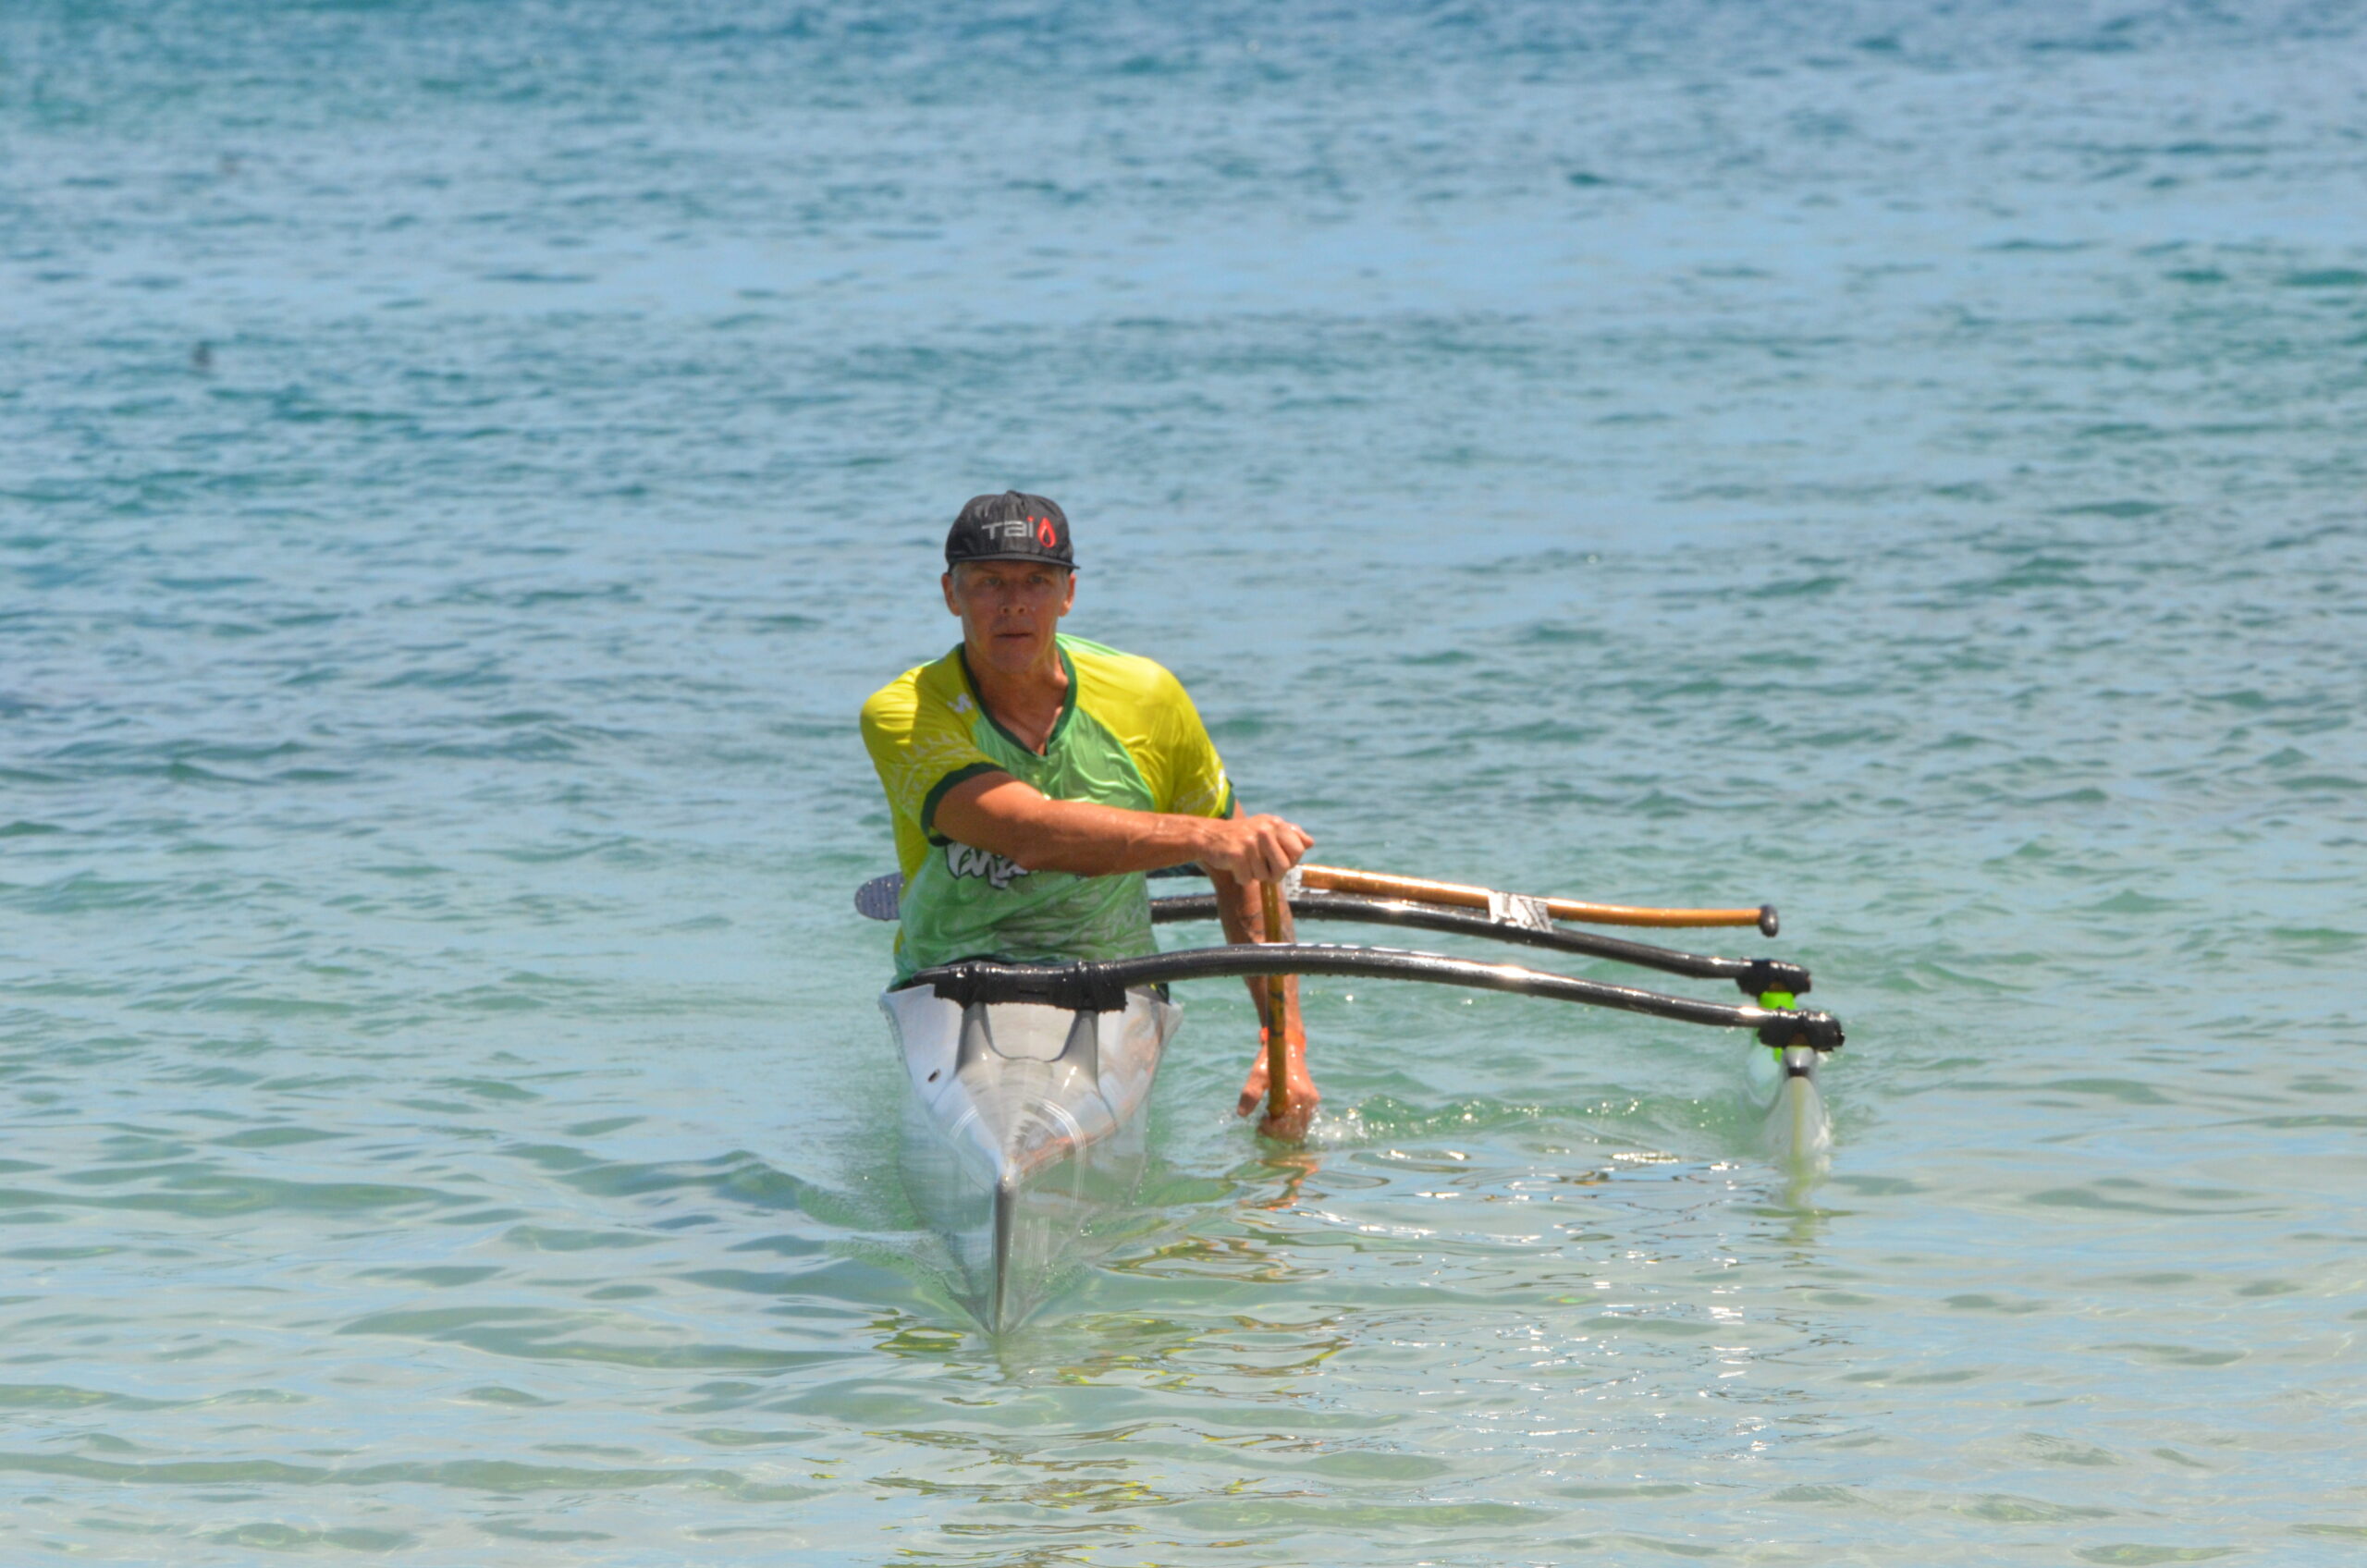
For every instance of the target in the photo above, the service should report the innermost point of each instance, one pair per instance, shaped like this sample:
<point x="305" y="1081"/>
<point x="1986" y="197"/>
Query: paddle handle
<point x="1278" y="1014"/>
<point x="1376" y="884"/>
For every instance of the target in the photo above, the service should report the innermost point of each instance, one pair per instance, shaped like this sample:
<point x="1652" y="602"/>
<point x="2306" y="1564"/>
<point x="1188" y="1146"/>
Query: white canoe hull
<point x="1024" y="1126"/>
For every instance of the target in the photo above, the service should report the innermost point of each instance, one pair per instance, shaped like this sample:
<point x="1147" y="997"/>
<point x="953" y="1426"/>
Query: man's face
<point x="1010" y="610"/>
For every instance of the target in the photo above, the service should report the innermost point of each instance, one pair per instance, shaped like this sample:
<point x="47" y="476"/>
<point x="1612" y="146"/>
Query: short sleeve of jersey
<point x="921" y="747"/>
<point x="1146" y="709"/>
<point x="1196" y="784"/>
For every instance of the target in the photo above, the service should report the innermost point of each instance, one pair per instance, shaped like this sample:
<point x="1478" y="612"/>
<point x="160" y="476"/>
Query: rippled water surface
<point x="461" y="465"/>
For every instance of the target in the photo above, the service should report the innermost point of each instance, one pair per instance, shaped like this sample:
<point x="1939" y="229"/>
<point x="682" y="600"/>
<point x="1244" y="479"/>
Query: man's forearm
<point x="1009" y="819"/>
<point x="997" y="813"/>
<point x="1241" y="908"/>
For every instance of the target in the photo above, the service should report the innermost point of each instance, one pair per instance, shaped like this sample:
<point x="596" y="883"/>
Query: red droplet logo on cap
<point x="1045" y="535"/>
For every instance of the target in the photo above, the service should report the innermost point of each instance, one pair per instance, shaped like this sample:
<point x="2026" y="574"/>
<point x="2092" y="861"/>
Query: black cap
<point x="1010" y="527"/>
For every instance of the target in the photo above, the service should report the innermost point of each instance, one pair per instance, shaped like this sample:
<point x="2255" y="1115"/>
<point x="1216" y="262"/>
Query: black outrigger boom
<point x="1753" y="977"/>
<point x="1100" y="986"/>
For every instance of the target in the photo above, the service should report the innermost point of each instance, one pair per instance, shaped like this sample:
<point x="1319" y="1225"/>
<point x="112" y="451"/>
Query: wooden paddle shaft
<point x="1278" y="1014"/>
<point x="1338" y="879"/>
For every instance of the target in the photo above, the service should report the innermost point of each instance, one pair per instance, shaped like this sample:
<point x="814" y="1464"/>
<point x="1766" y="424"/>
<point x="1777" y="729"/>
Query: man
<point x="1033" y="777"/>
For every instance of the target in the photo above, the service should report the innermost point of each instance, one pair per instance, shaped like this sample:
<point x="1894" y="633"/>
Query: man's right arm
<point x="997" y="813"/>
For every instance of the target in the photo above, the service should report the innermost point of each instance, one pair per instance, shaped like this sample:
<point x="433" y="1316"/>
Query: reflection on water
<point x="1293" y="1165"/>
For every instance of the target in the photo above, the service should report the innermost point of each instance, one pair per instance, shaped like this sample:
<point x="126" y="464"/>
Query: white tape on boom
<point x="1519" y="908"/>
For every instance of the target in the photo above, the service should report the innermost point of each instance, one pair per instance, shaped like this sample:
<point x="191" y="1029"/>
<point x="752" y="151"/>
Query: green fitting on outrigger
<point x="1777" y="999"/>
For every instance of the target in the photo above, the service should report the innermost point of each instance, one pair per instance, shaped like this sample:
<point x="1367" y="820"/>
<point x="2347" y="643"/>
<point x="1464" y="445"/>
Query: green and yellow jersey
<point x="1127" y="735"/>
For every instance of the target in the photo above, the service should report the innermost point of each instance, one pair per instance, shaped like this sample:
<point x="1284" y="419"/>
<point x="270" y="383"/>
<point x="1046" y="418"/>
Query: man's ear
<point x="952" y="604"/>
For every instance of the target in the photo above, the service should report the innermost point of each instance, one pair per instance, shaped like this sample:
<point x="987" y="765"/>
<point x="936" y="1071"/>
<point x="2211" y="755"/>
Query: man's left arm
<point x="1194" y="781"/>
<point x="1241" y="908"/>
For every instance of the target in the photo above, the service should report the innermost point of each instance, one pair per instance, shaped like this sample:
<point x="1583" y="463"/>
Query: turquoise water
<point x="1900" y="461"/>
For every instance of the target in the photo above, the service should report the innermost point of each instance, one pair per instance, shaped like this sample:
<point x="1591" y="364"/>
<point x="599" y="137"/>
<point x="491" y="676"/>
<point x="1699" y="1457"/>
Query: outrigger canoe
<point x="1029" y="1085"/>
